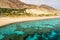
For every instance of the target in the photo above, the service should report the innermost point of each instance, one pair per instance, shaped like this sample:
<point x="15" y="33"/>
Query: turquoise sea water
<point x="48" y="29"/>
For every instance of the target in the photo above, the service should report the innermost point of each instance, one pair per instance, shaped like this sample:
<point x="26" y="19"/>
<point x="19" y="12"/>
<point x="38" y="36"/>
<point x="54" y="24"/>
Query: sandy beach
<point x="8" y="20"/>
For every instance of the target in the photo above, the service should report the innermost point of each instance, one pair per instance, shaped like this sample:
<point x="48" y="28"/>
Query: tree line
<point x="8" y="11"/>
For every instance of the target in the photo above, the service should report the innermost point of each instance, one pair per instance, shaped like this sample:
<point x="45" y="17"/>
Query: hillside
<point x="16" y="7"/>
<point x="47" y="7"/>
<point x="18" y="4"/>
<point x="10" y="4"/>
<point x="13" y="4"/>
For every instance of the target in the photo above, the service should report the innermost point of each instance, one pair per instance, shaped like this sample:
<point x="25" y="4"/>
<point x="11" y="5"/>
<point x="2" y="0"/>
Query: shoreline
<point x="9" y="20"/>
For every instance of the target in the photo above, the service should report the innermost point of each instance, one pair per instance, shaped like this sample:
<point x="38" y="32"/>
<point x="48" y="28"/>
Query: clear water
<point x="48" y="29"/>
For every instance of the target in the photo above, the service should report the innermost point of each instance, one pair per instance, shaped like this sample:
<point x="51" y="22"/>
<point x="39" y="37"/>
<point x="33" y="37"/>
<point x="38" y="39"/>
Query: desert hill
<point x="18" y="7"/>
<point x="18" y="4"/>
<point x="14" y="4"/>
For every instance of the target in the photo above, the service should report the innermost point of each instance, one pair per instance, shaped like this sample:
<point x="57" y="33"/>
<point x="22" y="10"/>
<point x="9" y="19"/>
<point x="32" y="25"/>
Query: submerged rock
<point x="32" y="30"/>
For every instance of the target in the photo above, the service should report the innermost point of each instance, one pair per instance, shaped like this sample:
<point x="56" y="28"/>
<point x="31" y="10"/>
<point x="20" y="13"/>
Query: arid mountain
<point x="47" y="8"/>
<point x="19" y="4"/>
<point x="11" y="4"/>
<point x="14" y="4"/>
<point x="29" y="8"/>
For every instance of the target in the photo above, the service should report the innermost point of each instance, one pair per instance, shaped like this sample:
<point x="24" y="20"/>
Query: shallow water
<point x="48" y="29"/>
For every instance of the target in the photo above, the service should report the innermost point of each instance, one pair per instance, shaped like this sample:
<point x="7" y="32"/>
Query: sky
<point x="52" y="3"/>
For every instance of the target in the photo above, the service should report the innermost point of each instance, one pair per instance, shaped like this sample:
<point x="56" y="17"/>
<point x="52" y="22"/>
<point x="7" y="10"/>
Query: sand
<point x="8" y="20"/>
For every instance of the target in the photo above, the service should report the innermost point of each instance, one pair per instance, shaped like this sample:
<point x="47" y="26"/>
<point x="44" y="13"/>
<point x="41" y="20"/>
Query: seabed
<point x="48" y="29"/>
